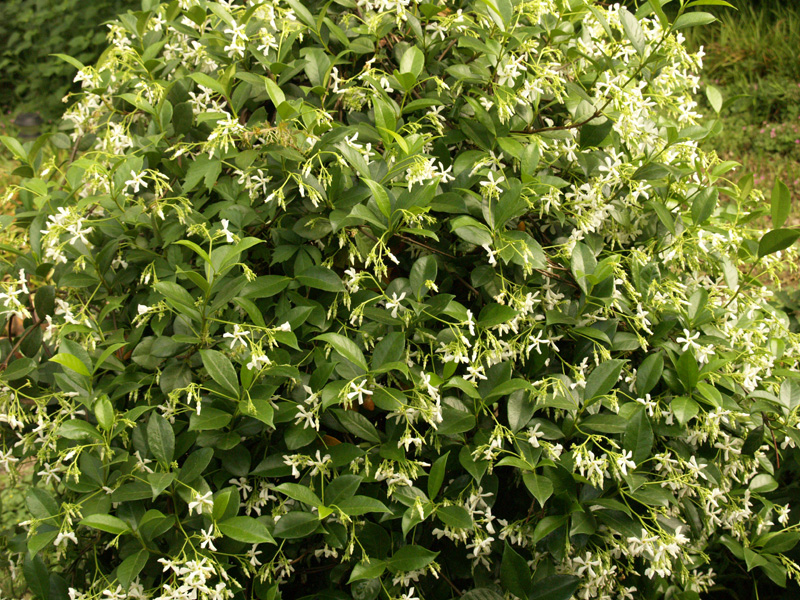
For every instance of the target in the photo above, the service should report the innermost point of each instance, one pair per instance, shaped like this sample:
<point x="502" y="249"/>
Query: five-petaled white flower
<point x="394" y="304"/>
<point x="228" y="235"/>
<point x="201" y="502"/>
<point x="136" y="181"/>
<point x="238" y="335"/>
<point x="625" y="461"/>
<point x="358" y="390"/>
<point x="207" y="539"/>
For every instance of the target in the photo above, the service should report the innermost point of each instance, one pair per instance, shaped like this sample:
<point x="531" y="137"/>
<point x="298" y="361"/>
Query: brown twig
<point x="451" y="584"/>
<point x="446" y="50"/>
<point x="421" y="245"/>
<point x="21" y="339"/>
<point x="75" y="149"/>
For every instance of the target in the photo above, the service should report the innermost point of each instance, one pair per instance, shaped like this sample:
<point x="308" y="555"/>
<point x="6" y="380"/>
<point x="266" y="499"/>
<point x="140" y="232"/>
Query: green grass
<point x="752" y="58"/>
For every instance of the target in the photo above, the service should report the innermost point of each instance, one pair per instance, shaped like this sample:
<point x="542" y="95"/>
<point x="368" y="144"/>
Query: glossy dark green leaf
<point x="639" y="437"/>
<point x="555" y="587"/>
<point x="410" y="558"/>
<point x="129" y="569"/>
<point x="295" y="525"/>
<point x="248" y="530"/>
<point x="780" y="204"/>
<point x="221" y="370"/>
<point x="515" y="575"/>
<point x="603" y="378"/>
<point x="649" y="373"/>
<point x="776" y="240"/>
<point x="160" y="439"/>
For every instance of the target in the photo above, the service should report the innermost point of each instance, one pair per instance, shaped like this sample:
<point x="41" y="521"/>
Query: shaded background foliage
<point x="32" y="30"/>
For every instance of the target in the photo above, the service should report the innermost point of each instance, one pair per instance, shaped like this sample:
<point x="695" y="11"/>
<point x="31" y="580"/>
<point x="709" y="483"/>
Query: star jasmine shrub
<point x="401" y="300"/>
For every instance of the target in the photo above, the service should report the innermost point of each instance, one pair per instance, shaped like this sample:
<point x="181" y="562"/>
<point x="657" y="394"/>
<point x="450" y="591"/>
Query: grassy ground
<point x="752" y="58"/>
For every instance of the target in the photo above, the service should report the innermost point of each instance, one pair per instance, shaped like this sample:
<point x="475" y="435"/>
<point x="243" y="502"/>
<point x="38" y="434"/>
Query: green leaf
<point x="515" y="575"/>
<point x="178" y="298"/>
<point x="495" y="314"/>
<point x="546" y="526"/>
<point x="15" y="147"/>
<point x="476" y="468"/>
<point x="221" y="370"/>
<point x="500" y="11"/>
<point x="603" y="378"/>
<point x="693" y="19"/>
<point x="341" y="488"/>
<point x="410" y="558"/>
<point x="540" y="486"/>
<point x="583" y="264"/>
<point x="780" y="204"/>
<point x="129" y="569"/>
<point x="209" y="419"/>
<point x="367" y="570"/>
<point x="789" y="395"/>
<point x="36" y="576"/>
<point x="195" y="464"/>
<point x="649" y="373"/>
<point x="75" y="429"/>
<point x="380" y="195"/>
<point x="424" y="269"/>
<point x="265" y="286"/>
<point x="436" y="475"/>
<point x="274" y="92"/>
<point x="763" y="483"/>
<point x="160" y="439"/>
<point x="41" y="504"/>
<point x="684" y="409"/>
<point x="247" y="530"/>
<point x="555" y="587"/>
<point x="346" y="348"/>
<point x="688" y="371"/>
<point x="389" y="350"/>
<point x="296" y="525"/>
<point x="704" y="204"/>
<point x="358" y="424"/>
<point x="106" y="354"/>
<point x="520" y="410"/>
<point x="482" y="594"/>
<point x="361" y="505"/>
<point x="777" y="239"/>
<point x="412" y="62"/>
<point x="456" y="517"/>
<point x="258" y="409"/>
<point x="593" y="134"/>
<point x="321" y="278"/>
<point x="715" y="100"/>
<point x="72" y="362"/>
<point x="300" y="493"/>
<point x="202" y="169"/>
<point x="633" y="31"/>
<point x="19" y="368"/>
<point x="455" y="421"/>
<point x="638" y="437"/>
<point x="208" y="82"/>
<point x="753" y="441"/>
<point x="107" y="523"/>
<point x="159" y="482"/>
<point x="104" y="412"/>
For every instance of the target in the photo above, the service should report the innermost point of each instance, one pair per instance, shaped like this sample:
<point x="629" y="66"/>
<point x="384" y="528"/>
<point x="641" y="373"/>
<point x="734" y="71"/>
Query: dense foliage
<point x="388" y="299"/>
<point x="31" y="31"/>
